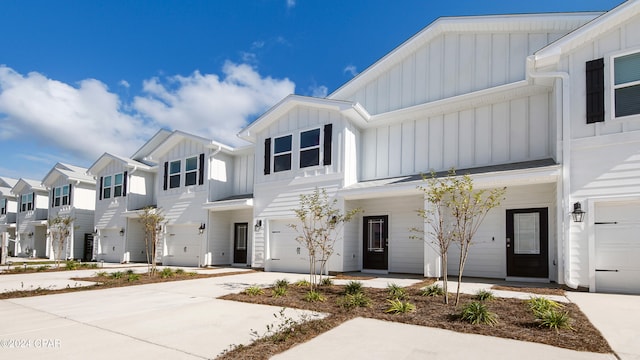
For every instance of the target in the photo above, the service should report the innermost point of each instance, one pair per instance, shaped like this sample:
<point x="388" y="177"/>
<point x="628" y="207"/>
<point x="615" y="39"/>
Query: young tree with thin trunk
<point x="469" y="207"/>
<point x="436" y="215"/>
<point x="59" y="231"/>
<point x="152" y="220"/>
<point x="320" y="223"/>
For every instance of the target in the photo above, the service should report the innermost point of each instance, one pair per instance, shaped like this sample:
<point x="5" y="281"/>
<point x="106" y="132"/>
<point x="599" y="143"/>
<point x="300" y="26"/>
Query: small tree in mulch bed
<point x="152" y="220"/>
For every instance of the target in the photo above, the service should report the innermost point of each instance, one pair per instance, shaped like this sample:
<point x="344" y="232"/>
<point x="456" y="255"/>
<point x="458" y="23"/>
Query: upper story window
<point x="174" y="174"/>
<point x="26" y="202"/>
<point x="191" y="169"/>
<point x="626" y="85"/>
<point x="112" y="186"/>
<point x="61" y="196"/>
<point x="3" y="206"/>
<point x="310" y="148"/>
<point x="282" y="153"/>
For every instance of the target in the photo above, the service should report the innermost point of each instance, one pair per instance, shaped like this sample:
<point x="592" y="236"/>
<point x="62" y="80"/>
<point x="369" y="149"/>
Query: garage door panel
<point x="286" y="254"/>
<point x="617" y="247"/>
<point x="183" y="246"/>
<point x="110" y="245"/>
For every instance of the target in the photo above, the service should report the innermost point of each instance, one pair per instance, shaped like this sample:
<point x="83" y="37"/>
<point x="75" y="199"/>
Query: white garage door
<point x="111" y="245"/>
<point x="183" y="246"/>
<point x="286" y="254"/>
<point x="617" y="247"/>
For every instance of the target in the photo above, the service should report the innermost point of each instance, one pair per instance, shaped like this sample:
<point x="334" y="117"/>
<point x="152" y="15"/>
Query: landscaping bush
<point x="166" y="273"/>
<point x="358" y="299"/>
<point x="400" y="307"/>
<point x="254" y="291"/>
<point x="540" y="305"/>
<point x="353" y="287"/>
<point x="484" y="295"/>
<point x="555" y="319"/>
<point x="314" y="296"/>
<point x="433" y="290"/>
<point x="396" y="292"/>
<point x="477" y="313"/>
<point x="279" y="291"/>
<point x="281" y="283"/>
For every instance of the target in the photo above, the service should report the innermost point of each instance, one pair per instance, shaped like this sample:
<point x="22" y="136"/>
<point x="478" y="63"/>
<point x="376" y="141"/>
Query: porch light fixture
<point x="258" y="225"/>
<point x="95" y="231"/>
<point x="577" y="213"/>
<point x="201" y="228"/>
<point x="30" y="234"/>
<point x="122" y="232"/>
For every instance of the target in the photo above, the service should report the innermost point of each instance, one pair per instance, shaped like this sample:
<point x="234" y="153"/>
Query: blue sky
<point x="80" y="78"/>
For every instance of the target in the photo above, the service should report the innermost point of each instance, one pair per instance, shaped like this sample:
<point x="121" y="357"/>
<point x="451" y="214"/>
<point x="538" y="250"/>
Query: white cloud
<point x="86" y="119"/>
<point x="319" y="91"/>
<point x="124" y="83"/>
<point x="208" y="105"/>
<point x="291" y="3"/>
<point x="351" y="69"/>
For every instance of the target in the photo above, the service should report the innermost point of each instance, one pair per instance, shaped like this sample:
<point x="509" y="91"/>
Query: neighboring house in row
<point x="547" y="105"/>
<point x="31" y="220"/>
<point x="71" y="193"/>
<point x="8" y="211"/>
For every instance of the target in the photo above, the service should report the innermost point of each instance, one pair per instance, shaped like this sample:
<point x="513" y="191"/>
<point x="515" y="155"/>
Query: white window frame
<point x="282" y="153"/>
<point x="195" y="171"/>
<point x="611" y="99"/>
<point x="59" y="198"/>
<point x="112" y="187"/>
<point x="172" y="174"/>
<point x="308" y="148"/>
<point x="25" y="203"/>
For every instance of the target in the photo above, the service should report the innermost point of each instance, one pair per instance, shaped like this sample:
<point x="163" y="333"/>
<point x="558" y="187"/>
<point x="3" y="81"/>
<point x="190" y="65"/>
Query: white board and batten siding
<point x="140" y="190"/>
<point x="183" y="246"/>
<point x="221" y="235"/>
<point x="453" y="63"/>
<point x="406" y="255"/>
<point x="244" y="165"/>
<point x="487" y="254"/>
<point x="504" y="132"/>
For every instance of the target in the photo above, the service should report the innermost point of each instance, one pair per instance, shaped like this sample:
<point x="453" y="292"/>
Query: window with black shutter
<point x="595" y="90"/>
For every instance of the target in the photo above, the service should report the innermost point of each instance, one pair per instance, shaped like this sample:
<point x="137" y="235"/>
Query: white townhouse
<point x="547" y="105"/>
<point x="8" y="211"/>
<point x="202" y="190"/>
<point x="72" y="192"/>
<point x="31" y="219"/>
<point x="123" y="186"/>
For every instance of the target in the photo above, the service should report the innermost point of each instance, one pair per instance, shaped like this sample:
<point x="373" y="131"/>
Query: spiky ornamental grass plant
<point x="396" y="292"/>
<point x="353" y="287"/>
<point x="399" y="307"/>
<point x="433" y="290"/>
<point x="319" y="224"/>
<point x="477" y="313"/>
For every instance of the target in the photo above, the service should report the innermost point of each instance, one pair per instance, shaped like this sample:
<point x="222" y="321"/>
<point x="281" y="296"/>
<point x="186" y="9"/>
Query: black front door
<point x="240" y="243"/>
<point x="88" y="247"/>
<point x="528" y="243"/>
<point x="375" y="252"/>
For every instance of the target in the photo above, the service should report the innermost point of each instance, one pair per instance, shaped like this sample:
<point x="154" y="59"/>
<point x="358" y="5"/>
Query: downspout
<point x="566" y="162"/>
<point x="210" y="259"/>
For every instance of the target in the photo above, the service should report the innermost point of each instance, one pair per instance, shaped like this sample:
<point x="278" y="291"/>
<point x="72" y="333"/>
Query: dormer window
<point x="282" y="153"/>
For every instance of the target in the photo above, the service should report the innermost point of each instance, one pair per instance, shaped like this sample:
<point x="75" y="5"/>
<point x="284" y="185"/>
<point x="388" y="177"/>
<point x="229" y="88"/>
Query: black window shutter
<point x="328" y="133"/>
<point x="124" y="184"/>
<point x="33" y="201"/>
<point x="53" y="193"/>
<point x="201" y="170"/>
<point x="70" y="186"/>
<point x="595" y="91"/>
<point x="166" y="175"/>
<point x="267" y="156"/>
<point x="100" y="193"/>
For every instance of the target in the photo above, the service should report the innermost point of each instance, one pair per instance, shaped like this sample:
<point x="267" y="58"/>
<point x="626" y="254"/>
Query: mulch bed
<point x="515" y="320"/>
<point x="533" y="290"/>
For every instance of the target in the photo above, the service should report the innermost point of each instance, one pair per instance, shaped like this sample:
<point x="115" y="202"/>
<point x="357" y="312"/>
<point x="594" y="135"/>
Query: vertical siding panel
<point x="421" y="145"/>
<point x="369" y="154"/>
<point x="383" y="93"/>
<point x="536" y="42"/>
<point x="482" y="62"/>
<point x="466" y="131"/>
<point x="435" y="69"/>
<point x="500" y="136"/>
<point x="538" y="126"/>
<point x="421" y="75"/>
<point x="436" y="143"/>
<point x="483" y="135"/>
<point x="451" y="143"/>
<point x="408" y="149"/>
<point x="371" y="96"/>
<point x="408" y="81"/>
<point x="499" y="59"/>
<point x="382" y="152"/>
<point x="518" y="47"/>
<point x="466" y="68"/>
<point x="631" y="31"/>
<point x="395" y="149"/>
<point x="451" y="60"/>
<point x="519" y="130"/>
<point x="395" y="88"/>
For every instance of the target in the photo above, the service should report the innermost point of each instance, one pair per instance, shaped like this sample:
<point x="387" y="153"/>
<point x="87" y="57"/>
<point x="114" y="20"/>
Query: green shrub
<point x="133" y="277"/>
<point x="302" y="283"/>
<point x="281" y="283"/>
<point x="102" y="274"/>
<point x="400" y="307"/>
<point x="396" y="292"/>
<point x="71" y="265"/>
<point x="540" y="305"/>
<point x="166" y="273"/>
<point x="254" y="291"/>
<point x="555" y="319"/>
<point x="279" y="291"/>
<point x="358" y="299"/>
<point x="326" y="281"/>
<point x="484" y="295"/>
<point x="314" y="296"/>
<point x="477" y="313"/>
<point x="130" y="272"/>
<point x="180" y="272"/>
<point x="192" y="273"/>
<point x="88" y="265"/>
<point x="433" y="290"/>
<point x="116" y="275"/>
<point x="42" y="268"/>
<point x="353" y="287"/>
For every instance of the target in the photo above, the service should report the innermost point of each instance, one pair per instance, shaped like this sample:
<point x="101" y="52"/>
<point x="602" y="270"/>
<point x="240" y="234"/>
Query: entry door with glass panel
<point x="528" y="243"/>
<point x="240" y="243"/>
<point x="375" y="245"/>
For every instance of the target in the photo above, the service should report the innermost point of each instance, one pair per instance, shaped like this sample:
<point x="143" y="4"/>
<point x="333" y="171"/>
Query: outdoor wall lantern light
<point x="258" y="226"/>
<point x="95" y="231"/>
<point x="577" y="213"/>
<point x="201" y="228"/>
<point x="30" y="234"/>
<point x="122" y="232"/>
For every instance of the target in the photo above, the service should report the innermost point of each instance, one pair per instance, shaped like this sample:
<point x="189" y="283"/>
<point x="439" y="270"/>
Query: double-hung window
<point x="191" y="171"/>
<point x="26" y="202"/>
<point x="61" y="195"/>
<point x="310" y="148"/>
<point x="282" y="153"/>
<point x="174" y="174"/>
<point x="117" y="185"/>
<point x="106" y="187"/>
<point x="112" y="186"/>
<point x="626" y="84"/>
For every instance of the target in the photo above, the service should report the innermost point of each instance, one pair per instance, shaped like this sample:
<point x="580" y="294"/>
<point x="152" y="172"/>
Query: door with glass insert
<point x="240" y="243"/>
<point x="528" y="243"/>
<point x="375" y="242"/>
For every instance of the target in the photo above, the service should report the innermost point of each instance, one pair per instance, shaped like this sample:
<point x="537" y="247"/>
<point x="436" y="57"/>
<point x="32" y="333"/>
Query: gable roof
<point x="27" y="184"/>
<point x="177" y="136"/>
<point x="7" y="182"/>
<point x="605" y="22"/>
<point x="352" y="110"/>
<point x="107" y="158"/>
<point x="71" y="172"/>
<point x="498" y="23"/>
<point x="151" y="144"/>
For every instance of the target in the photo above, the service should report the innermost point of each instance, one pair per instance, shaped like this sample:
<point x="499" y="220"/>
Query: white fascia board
<point x="225" y="205"/>
<point x="106" y="158"/>
<point x="177" y="136"/>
